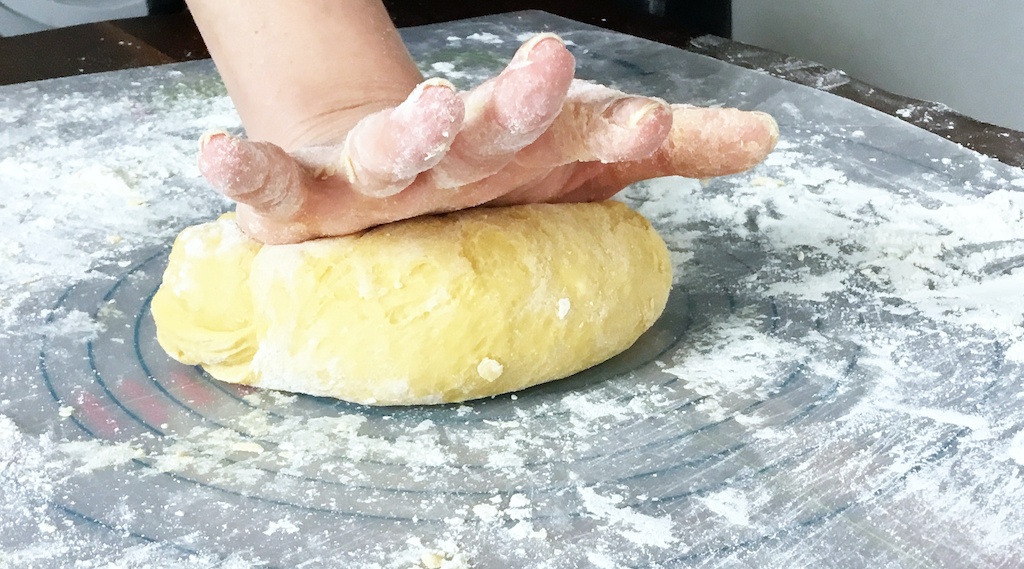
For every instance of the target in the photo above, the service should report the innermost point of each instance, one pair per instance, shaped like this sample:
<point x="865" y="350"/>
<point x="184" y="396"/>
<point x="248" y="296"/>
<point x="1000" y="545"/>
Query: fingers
<point x="598" y="123"/>
<point x="258" y="174"/>
<point x="509" y="112"/>
<point x="385" y="151"/>
<point x="531" y="134"/>
<point x="705" y="143"/>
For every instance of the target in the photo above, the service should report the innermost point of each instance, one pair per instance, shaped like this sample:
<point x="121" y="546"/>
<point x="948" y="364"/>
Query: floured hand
<point x="531" y="134"/>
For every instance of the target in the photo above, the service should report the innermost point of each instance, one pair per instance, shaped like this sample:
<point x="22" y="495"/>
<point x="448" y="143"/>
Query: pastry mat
<point x="836" y="380"/>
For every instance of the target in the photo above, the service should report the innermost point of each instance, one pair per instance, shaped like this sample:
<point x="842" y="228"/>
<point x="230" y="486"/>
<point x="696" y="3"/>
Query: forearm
<point x="270" y="55"/>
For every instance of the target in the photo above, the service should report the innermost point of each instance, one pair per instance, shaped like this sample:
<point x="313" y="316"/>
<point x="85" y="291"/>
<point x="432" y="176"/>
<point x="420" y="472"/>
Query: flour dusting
<point x="641" y="529"/>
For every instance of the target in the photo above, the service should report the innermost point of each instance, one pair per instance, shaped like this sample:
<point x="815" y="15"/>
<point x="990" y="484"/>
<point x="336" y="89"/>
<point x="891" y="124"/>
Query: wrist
<point x="298" y="72"/>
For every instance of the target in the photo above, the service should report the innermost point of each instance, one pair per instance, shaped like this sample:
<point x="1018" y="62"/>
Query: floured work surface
<point x="836" y="381"/>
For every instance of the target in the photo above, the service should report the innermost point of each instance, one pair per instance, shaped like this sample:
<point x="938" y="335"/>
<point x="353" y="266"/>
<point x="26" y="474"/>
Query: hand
<point x="531" y="134"/>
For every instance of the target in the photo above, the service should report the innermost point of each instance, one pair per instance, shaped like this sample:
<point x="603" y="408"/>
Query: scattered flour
<point x="82" y="202"/>
<point x="735" y="361"/>
<point x="730" y="504"/>
<point x="94" y="455"/>
<point x="1015" y="450"/>
<point x="448" y="70"/>
<point x="485" y="37"/>
<point x="641" y="529"/>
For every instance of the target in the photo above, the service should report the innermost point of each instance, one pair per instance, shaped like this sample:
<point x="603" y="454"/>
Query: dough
<point x="429" y="310"/>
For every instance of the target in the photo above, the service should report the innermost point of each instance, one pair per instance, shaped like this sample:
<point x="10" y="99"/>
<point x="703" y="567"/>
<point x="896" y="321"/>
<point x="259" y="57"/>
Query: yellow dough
<point x="429" y="310"/>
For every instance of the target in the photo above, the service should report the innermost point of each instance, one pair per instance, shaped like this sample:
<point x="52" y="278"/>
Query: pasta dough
<point x="428" y="310"/>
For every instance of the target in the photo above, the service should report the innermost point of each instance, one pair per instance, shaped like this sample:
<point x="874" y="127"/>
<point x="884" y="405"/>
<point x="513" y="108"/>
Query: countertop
<point x="835" y="381"/>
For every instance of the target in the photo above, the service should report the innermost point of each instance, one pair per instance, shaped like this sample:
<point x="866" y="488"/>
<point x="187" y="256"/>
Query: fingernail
<point x="234" y="166"/>
<point x="769" y="122"/>
<point x="443" y="102"/>
<point x="414" y="98"/>
<point x="647" y="111"/>
<point x="208" y="135"/>
<point x="628" y="113"/>
<point x="527" y="49"/>
<point x="432" y="83"/>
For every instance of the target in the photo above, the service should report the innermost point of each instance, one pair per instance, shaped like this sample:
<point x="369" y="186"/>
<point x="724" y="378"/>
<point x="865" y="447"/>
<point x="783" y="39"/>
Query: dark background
<point x="684" y="18"/>
<point x="630" y="16"/>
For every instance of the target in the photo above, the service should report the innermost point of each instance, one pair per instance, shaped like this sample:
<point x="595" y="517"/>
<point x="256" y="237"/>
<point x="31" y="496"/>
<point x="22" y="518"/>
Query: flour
<point x="641" y="529"/>
<point x="1015" y="449"/>
<point x="485" y="37"/>
<point x="89" y="456"/>
<point x="334" y="443"/>
<point x="71" y="323"/>
<point x="737" y="362"/>
<point x="71" y="196"/>
<point x="525" y="36"/>
<point x="730" y="504"/>
<point x="978" y="425"/>
<point x="447" y="69"/>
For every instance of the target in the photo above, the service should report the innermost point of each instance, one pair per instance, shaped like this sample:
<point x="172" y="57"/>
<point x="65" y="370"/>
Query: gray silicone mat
<point x="835" y="383"/>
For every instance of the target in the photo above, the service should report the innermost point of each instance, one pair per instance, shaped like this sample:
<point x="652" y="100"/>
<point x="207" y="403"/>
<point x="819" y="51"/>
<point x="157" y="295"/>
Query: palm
<point x="531" y="134"/>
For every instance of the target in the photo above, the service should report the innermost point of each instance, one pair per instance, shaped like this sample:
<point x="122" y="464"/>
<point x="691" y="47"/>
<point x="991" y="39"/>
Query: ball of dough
<point x="429" y="310"/>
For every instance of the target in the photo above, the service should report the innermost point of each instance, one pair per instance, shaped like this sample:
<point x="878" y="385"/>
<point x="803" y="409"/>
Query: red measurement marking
<point x="95" y="416"/>
<point x="190" y="390"/>
<point x="139" y="397"/>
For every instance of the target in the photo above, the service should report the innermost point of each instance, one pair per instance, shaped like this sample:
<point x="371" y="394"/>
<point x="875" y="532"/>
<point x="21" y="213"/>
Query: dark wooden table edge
<point x="1003" y="144"/>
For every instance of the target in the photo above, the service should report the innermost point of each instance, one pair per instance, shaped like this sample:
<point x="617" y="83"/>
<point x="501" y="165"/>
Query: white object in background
<point x="60" y="13"/>
<point x="967" y="55"/>
<point x="14" y="24"/>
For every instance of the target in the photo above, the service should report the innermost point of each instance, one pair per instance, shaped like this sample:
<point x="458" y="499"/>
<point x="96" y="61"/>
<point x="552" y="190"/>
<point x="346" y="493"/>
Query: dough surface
<point x="429" y="310"/>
